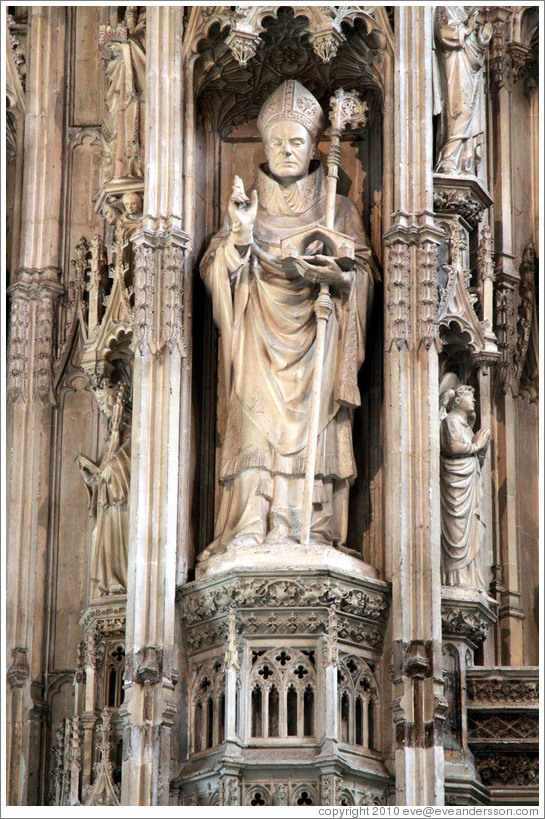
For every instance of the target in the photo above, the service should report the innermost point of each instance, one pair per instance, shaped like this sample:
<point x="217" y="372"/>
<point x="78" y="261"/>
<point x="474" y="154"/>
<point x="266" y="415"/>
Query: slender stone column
<point x="507" y="282"/>
<point x="411" y="439"/>
<point x="159" y="518"/>
<point x="34" y="295"/>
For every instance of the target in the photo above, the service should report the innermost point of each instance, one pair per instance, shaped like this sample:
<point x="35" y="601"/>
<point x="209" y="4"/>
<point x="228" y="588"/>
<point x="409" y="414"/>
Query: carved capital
<point x="398" y="262"/>
<point x="19" y="58"/>
<point x="158" y="316"/>
<point x="466" y="614"/>
<point x="506" y="332"/>
<point x="428" y="301"/>
<point x="19" y="670"/>
<point x="498" y="61"/>
<point x="31" y="350"/>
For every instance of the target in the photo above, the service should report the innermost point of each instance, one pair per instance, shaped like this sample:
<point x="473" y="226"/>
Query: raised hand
<point x="242" y="213"/>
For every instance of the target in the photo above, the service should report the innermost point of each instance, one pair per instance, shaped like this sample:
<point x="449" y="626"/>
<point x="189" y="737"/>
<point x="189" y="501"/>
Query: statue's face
<point x="289" y="148"/>
<point x="110" y="214"/>
<point x="467" y="402"/>
<point x="132" y="205"/>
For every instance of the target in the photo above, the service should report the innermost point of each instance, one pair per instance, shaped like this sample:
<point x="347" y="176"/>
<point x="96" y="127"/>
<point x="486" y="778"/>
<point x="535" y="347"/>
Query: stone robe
<point x="462" y="528"/>
<point x="110" y="497"/>
<point x="268" y="331"/>
<point x="457" y="82"/>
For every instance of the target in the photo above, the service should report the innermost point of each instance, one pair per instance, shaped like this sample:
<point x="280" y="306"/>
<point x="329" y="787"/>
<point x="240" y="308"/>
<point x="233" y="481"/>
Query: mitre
<point x="291" y="100"/>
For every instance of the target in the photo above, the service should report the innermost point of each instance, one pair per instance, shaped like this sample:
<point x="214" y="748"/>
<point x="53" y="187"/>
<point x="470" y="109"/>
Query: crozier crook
<point x="346" y="110"/>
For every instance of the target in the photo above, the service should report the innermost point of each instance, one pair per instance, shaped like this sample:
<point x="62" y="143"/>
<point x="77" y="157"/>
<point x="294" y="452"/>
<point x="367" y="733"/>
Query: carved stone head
<point x="290" y="123"/>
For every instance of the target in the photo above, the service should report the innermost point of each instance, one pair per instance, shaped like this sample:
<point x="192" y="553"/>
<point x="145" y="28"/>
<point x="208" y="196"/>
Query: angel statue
<point x="462" y="455"/>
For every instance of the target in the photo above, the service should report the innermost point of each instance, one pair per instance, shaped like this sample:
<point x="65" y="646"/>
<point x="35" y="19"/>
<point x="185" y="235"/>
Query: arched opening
<point x="198" y="725"/>
<point x="221" y="719"/>
<point x="359" y="721"/>
<point x="345" y="718"/>
<point x="308" y="712"/>
<point x="274" y="712"/>
<point x="291" y="711"/>
<point x="371" y="739"/>
<point x="209" y="723"/>
<point x="257" y="712"/>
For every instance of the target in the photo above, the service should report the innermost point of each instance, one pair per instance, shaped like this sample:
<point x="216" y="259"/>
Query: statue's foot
<point x="116" y="588"/>
<point x="244" y="542"/>
<point x="280" y="534"/>
<point x="215" y="548"/>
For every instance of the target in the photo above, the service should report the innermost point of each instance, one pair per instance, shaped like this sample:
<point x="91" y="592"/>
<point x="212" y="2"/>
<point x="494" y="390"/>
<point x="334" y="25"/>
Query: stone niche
<point x="229" y="97"/>
<point x="284" y="698"/>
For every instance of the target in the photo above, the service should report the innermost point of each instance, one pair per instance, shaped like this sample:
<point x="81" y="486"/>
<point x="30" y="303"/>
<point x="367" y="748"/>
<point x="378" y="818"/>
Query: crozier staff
<point x="266" y="318"/>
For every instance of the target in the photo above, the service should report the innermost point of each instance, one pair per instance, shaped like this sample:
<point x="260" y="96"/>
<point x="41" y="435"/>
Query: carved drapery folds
<point x="461" y="42"/>
<point x="123" y="49"/>
<point x="463" y="530"/>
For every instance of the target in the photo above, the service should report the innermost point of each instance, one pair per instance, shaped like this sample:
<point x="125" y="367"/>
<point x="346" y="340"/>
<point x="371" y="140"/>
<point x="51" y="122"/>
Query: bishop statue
<point x="265" y="314"/>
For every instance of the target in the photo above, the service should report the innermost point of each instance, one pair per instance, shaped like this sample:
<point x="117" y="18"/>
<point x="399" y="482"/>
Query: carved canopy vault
<point x="241" y="55"/>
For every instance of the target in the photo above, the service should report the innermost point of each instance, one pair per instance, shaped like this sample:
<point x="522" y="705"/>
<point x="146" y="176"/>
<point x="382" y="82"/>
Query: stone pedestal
<point x="284" y="705"/>
<point x="466" y="614"/>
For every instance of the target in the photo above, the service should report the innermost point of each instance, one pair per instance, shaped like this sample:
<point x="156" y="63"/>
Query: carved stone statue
<point x="462" y="454"/>
<point x="109" y="484"/>
<point x="460" y="44"/>
<point x="124" y="50"/>
<point x="265" y="315"/>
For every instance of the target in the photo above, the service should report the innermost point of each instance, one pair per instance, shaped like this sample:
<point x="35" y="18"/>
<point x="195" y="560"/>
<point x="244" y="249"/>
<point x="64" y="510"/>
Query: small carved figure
<point x="461" y="42"/>
<point x="126" y="69"/>
<point x="266" y="317"/>
<point x="109" y="484"/>
<point x="279" y="794"/>
<point x="462" y="454"/>
<point x="132" y="202"/>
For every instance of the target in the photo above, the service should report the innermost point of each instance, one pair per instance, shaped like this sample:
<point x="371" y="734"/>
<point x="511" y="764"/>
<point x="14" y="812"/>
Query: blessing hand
<point x="242" y="213"/>
<point x="324" y="270"/>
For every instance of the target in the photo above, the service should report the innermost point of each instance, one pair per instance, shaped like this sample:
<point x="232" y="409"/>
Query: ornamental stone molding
<point x="205" y="600"/>
<point x="466" y="614"/>
<point x="508" y="770"/>
<point x="158" y="313"/>
<point x="19" y="670"/>
<point x="406" y="232"/>
<point x="503" y="686"/>
<point x="31" y="348"/>
<point x="458" y="322"/>
<point x="245" y="25"/>
<point x="465" y="196"/>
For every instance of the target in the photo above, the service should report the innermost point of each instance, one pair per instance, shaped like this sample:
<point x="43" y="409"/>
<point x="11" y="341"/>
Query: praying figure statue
<point x="109" y="485"/>
<point x="265" y="313"/>
<point x="461" y="42"/>
<point x="463" y="452"/>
